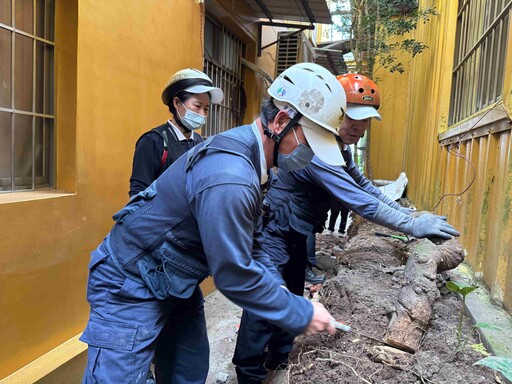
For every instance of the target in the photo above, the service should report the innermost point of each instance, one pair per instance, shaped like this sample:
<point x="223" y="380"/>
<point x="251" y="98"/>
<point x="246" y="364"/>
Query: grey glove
<point x="429" y="225"/>
<point x="407" y="211"/>
<point x="423" y="213"/>
<point x="393" y="204"/>
<point x="386" y="200"/>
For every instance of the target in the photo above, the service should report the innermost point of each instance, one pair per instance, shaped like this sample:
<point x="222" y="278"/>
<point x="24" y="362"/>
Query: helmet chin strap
<point x="277" y="138"/>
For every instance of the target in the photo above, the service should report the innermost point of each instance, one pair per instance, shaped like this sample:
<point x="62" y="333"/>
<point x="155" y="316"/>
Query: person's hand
<point x="321" y="321"/>
<point x="429" y="225"/>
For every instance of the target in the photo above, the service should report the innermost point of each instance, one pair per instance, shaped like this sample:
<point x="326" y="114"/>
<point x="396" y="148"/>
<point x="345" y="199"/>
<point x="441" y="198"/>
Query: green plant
<point x="464" y="290"/>
<point x="381" y="35"/>
<point x="500" y="364"/>
<point x="480" y="348"/>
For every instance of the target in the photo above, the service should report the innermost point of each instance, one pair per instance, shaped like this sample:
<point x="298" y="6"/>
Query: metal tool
<point x="346" y="328"/>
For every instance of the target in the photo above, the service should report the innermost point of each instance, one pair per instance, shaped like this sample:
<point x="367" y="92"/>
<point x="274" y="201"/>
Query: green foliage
<point x="374" y="26"/>
<point x="480" y="348"/>
<point x="502" y="365"/>
<point x="378" y="37"/>
<point x="464" y="290"/>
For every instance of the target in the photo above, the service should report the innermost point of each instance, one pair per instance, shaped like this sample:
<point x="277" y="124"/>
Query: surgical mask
<point x="192" y="120"/>
<point x="297" y="159"/>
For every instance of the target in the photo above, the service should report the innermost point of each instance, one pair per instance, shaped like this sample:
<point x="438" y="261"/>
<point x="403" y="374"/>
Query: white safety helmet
<point x="319" y="98"/>
<point x="314" y="92"/>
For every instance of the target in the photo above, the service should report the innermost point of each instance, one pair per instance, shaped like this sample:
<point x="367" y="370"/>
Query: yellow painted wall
<point x="267" y="61"/>
<point x="113" y="59"/>
<point x="482" y="214"/>
<point x="416" y="102"/>
<point x="388" y="136"/>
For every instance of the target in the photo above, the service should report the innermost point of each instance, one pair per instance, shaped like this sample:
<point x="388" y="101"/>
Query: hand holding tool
<point x="346" y="328"/>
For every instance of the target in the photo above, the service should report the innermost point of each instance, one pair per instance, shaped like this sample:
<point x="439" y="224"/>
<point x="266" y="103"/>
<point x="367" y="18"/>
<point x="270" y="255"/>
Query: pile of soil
<point x="365" y="278"/>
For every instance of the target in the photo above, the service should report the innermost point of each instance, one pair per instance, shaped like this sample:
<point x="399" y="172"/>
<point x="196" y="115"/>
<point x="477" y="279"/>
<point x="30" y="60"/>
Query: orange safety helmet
<point x="360" y="89"/>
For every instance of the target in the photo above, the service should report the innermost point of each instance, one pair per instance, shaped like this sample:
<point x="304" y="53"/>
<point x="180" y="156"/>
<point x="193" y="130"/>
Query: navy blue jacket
<point x="301" y="199"/>
<point x="199" y="218"/>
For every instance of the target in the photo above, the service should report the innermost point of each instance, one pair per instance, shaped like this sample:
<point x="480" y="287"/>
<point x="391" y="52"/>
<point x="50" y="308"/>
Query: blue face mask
<point x="192" y="120"/>
<point x="297" y="159"/>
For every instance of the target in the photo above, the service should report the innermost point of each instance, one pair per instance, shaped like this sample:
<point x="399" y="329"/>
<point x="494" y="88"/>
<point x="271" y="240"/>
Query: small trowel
<point x="346" y="328"/>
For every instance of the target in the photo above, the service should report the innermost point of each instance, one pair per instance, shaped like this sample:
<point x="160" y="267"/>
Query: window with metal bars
<point x="223" y="54"/>
<point x="480" y="53"/>
<point x="26" y="94"/>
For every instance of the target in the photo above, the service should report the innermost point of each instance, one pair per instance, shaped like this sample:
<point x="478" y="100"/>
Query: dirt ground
<point x="365" y="277"/>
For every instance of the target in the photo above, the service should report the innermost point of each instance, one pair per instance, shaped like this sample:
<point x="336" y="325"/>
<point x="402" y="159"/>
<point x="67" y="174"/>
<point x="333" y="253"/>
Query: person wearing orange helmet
<point x="297" y="204"/>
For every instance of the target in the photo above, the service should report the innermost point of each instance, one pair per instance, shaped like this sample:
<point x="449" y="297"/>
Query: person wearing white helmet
<point x="200" y="218"/>
<point x="297" y="203"/>
<point x="188" y="95"/>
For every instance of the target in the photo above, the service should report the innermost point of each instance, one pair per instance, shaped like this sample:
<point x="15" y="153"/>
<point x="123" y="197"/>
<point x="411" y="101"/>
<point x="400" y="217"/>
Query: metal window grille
<point x="293" y="49"/>
<point x="288" y="51"/>
<point x="26" y="94"/>
<point x="479" y="62"/>
<point x="223" y="54"/>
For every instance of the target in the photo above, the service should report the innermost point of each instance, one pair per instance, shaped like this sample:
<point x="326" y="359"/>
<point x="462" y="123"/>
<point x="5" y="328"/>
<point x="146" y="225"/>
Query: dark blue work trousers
<point x="261" y="344"/>
<point x="127" y="325"/>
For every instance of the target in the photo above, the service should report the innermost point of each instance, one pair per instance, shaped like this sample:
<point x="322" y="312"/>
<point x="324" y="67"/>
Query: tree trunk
<point x="415" y="300"/>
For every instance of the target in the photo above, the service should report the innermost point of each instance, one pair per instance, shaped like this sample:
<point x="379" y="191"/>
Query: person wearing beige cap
<point x="188" y="95"/>
<point x="200" y="218"/>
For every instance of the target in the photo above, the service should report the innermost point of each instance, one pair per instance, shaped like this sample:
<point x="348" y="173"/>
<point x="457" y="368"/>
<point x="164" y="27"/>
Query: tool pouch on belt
<point x="169" y="272"/>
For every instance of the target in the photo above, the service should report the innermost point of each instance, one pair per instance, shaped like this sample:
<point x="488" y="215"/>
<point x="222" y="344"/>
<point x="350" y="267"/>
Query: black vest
<point x="173" y="147"/>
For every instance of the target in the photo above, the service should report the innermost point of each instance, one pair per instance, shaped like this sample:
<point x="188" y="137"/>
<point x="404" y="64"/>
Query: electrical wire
<point x="452" y="149"/>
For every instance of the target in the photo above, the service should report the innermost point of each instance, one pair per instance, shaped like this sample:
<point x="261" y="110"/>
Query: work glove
<point x="426" y="225"/>
<point x="429" y="225"/>
<point x="386" y="200"/>
<point x="407" y="211"/>
<point x="393" y="204"/>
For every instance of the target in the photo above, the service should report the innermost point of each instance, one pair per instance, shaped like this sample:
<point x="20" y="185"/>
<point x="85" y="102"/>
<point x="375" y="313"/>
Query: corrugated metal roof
<point x="311" y="11"/>
<point x="330" y="56"/>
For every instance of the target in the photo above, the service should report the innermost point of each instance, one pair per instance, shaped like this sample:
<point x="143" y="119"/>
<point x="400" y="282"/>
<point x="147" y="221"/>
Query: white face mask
<point x="192" y="120"/>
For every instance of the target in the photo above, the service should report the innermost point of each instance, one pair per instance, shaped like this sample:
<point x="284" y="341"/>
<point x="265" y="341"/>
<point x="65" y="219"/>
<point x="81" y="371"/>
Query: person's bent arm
<point x="226" y="219"/>
<point x="343" y="188"/>
<point x="353" y="171"/>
